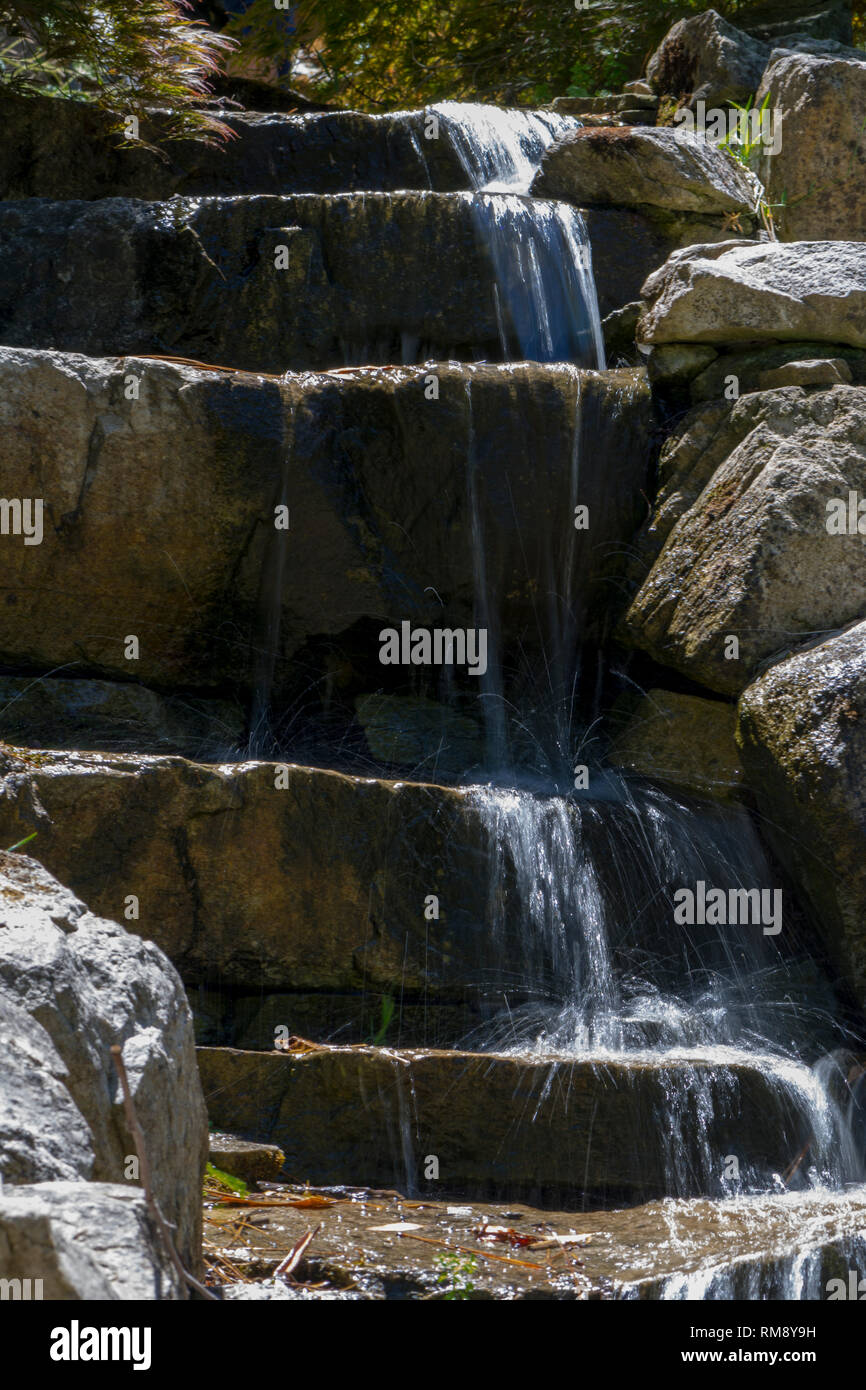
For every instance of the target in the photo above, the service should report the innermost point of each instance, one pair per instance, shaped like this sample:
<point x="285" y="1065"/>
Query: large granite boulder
<point x="736" y="292"/>
<point x="740" y="546"/>
<point x="657" y="167"/>
<point x="77" y="1241"/>
<point x="818" y="176"/>
<point x="71" y="986"/>
<point x="802" y="732"/>
<point x="705" y="57"/>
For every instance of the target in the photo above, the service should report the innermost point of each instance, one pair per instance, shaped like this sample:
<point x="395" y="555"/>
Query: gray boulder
<point x="820" y="170"/>
<point x="740" y="292"/>
<point x="659" y="167"/>
<point x="802" y="732"/>
<point x="73" y="1241"/>
<point x="87" y="984"/>
<point x="739" y="545"/>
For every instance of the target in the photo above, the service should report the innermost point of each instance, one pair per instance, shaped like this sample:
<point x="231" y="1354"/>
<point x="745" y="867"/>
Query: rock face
<point x="820" y="178"/>
<point x="373" y="540"/>
<point x="365" y="1116"/>
<point x="801" y="731"/>
<point x="88" y="714"/>
<point x="684" y="740"/>
<point x="72" y="985"/>
<point x="83" y="1241"/>
<point x="273" y="284"/>
<point x="735" y="292"/>
<point x="661" y="168"/>
<point x="62" y="149"/>
<point x="741" y="533"/>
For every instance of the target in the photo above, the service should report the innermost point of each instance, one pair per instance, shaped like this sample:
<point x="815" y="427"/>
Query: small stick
<point x="144" y="1168"/>
<point x="792" y="1168"/>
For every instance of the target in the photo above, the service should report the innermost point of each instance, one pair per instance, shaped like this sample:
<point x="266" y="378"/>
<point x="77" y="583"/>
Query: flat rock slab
<point x="739" y="543"/>
<point x="551" y="1128"/>
<point x="243" y="1159"/>
<point x="160" y="483"/>
<point x="376" y="1245"/>
<point x="734" y="292"/>
<point x="62" y="149"/>
<point x="283" y="283"/>
<point x="664" y="168"/>
<point x="801" y="730"/>
<point x="88" y="1241"/>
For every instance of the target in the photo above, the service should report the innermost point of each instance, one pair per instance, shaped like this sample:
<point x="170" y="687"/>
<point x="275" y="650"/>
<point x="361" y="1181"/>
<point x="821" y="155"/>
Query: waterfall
<point x="547" y="306"/>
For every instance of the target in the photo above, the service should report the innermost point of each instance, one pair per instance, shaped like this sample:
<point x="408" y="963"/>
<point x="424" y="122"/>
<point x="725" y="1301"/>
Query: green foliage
<point x="20" y="843"/>
<point x="387" y="53"/>
<point x="386" y="1017"/>
<point x="124" y="56"/>
<point x="454" y="1274"/>
<point x="215" y="1177"/>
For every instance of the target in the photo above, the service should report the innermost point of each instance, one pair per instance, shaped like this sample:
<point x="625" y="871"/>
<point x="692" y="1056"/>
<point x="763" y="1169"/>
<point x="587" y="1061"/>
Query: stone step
<point x="62" y="149"/>
<point x="421" y="900"/>
<point x="274" y="284"/>
<point x="160" y="482"/>
<point x="547" y="1129"/>
<point x="779" y="1246"/>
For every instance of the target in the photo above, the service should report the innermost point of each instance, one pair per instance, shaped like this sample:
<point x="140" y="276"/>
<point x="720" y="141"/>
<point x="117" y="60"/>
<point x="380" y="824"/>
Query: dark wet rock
<point x="745" y="369"/>
<point x="827" y="371"/>
<point x="737" y="292"/>
<point x="373" y="1117"/>
<point x="403" y="729"/>
<point x="62" y="149"/>
<point x="742" y="518"/>
<point x="682" y="739"/>
<point x="227" y="869"/>
<point x="84" y="984"/>
<point x="240" y="1158"/>
<point x="53" y="712"/>
<point x="801" y="731"/>
<point x="363" y="278"/>
<point x="183" y="557"/>
<point x="253" y="1021"/>
<point x="88" y="1242"/>
<point x="819" y="170"/>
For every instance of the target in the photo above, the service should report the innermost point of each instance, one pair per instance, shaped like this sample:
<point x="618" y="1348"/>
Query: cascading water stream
<point x="582" y="885"/>
<point x="547" y="306"/>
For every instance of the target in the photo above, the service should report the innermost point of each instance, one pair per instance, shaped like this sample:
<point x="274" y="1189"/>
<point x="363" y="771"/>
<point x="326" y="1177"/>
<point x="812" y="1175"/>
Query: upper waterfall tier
<point x="63" y="149"/>
<point x="276" y="284"/>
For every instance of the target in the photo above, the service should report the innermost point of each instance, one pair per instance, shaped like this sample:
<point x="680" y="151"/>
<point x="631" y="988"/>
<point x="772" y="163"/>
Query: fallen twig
<point x="144" y="1169"/>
